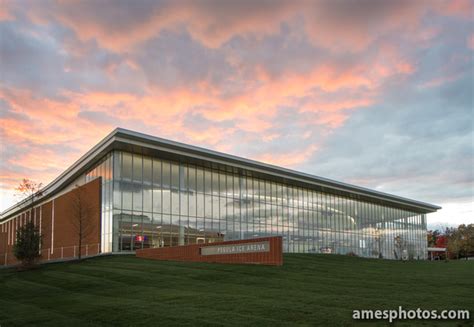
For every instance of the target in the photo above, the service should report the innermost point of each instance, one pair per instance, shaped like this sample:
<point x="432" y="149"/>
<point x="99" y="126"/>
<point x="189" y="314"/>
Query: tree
<point x="432" y="237"/>
<point x="82" y="217"/>
<point x="378" y="239"/>
<point x="400" y="248"/>
<point x="29" y="191"/>
<point x="453" y="241"/>
<point x="469" y="240"/>
<point x="461" y="240"/>
<point x="27" y="245"/>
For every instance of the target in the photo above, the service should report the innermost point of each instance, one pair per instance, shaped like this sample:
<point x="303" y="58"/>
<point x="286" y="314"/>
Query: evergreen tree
<point x="27" y="245"/>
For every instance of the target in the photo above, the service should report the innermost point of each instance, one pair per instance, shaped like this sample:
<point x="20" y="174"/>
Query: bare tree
<point x="400" y="248"/>
<point x="82" y="217"/>
<point x="29" y="191"/>
<point x="378" y="239"/>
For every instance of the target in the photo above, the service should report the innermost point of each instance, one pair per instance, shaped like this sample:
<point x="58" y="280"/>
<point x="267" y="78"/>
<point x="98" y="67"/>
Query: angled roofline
<point x="121" y="135"/>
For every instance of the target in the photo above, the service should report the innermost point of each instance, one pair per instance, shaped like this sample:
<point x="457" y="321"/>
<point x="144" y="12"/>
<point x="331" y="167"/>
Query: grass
<point x="308" y="290"/>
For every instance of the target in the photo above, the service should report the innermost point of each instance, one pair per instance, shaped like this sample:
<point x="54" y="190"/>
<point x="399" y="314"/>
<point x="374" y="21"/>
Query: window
<point x="207" y="181"/>
<point x="192" y="178"/>
<point x="199" y="180"/>
<point x="137" y="187"/>
<point x="126" y="166"/>
<point x="174" y="176"/>
<point x="157" y="200"/>
<point x="166" y="174"/>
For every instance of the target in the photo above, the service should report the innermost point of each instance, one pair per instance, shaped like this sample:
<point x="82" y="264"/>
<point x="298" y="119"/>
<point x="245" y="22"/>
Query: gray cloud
<point x="30" y="62"/>
<point x="174" y="58"/>
<point x="419" y="144"/>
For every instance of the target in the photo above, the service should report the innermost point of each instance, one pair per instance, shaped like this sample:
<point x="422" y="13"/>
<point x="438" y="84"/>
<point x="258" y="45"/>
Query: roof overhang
<point x="126" y="140"/>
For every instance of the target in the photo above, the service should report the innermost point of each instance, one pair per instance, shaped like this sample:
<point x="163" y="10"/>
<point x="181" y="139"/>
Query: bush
<point x="352" y="254"/>
<point x="27" y="246"/>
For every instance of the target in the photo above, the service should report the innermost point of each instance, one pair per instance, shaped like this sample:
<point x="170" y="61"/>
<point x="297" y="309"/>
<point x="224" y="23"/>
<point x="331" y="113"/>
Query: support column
<point x="181" y="235"/>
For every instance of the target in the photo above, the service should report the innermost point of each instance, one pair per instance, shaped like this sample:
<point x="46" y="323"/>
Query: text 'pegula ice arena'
<point x="158" y="193"/>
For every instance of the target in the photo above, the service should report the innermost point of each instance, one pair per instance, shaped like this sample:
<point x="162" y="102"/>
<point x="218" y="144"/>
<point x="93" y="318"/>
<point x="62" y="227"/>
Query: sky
<point x="373" y="93"/>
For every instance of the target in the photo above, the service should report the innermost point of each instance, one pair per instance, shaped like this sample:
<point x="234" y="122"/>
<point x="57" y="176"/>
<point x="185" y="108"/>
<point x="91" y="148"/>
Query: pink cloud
<point x="62" y="123"/>
<point x="460" y="8"/>
<point x="253" y="111"/>
<point x="437" y="81"/>
<point x="5" y="10"/>
<point x="470" y="41"/>
<point x="213" y="23"/>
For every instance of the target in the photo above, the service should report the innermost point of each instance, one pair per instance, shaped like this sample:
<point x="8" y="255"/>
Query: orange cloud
<point x="63" y="123"/>
<point x="334" y="120"/>
<point x="290" y="159"/>
<point x="5" y="13"/>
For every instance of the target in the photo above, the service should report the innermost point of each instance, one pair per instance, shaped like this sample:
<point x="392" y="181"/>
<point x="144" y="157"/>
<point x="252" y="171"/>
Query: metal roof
<point x="134" y="141"/>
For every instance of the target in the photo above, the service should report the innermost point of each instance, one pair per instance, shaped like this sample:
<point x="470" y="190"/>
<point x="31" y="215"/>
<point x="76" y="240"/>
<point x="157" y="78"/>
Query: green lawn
<point x="308" y="290"/>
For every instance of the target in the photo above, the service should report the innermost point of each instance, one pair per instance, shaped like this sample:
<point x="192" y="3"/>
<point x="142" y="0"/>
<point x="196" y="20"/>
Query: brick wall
<point x="192" y="253"/>
<point x="59" y="234"/>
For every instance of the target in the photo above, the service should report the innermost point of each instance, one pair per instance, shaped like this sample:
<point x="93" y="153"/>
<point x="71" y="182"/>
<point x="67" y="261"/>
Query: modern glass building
<point x="158" y="193"/>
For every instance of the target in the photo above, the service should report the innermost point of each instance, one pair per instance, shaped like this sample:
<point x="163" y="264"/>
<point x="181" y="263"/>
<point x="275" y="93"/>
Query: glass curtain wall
<point x="150" y="202"/>
<point x="104" y="169"/>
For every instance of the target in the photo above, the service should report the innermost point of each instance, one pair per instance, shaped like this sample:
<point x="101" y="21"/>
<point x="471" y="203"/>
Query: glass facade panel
<point x="150" y="202"/>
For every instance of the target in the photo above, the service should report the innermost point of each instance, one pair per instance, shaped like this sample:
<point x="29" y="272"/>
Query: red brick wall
<point x="59" y="244"/>
<point x="192" y="253"/>
<point x="65" y="229"/>
<point x="46" y="217"/>
<point x="3" y="242"/>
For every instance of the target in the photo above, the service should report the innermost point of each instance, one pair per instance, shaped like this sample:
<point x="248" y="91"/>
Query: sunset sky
<point x="374" y="93"/>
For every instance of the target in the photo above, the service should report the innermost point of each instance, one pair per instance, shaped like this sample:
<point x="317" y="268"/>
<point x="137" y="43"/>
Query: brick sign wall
<point x="265" y="251"/>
